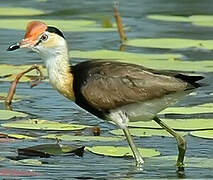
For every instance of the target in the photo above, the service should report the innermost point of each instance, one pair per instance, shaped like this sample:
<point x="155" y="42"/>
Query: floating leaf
<point x="198" y="20"/>
<point x="19" y="11"/>
<point x="121" y="151"/>
<point x="168" y="18"/>
<point x="9" y="72"/>
<point x="179" y="124"/>
<point x="66" y="137"/>
<point x="199" y="66"/>
<point x="4" y="95"/>
<point x="46" y="150"/>
<point x="64" y="25"/>
<point x="20" y="136"/>
<point x="170" y="43"/>
<point x="104" y="54"/>
<point x="30" y="162"/>
<point x="6" y="114"/>
<point x="208" y="134"/>
<point x="144" y="132"/>
<point x="37" y="124"/>
<point x="204" y="108"/>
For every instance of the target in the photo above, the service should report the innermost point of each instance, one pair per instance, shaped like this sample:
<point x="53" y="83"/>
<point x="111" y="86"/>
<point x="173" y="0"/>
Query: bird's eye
<point x="44" y="37"/>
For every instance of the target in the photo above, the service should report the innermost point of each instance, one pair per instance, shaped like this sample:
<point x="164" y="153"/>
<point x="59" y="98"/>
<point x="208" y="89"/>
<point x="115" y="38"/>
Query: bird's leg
<point x="180" y="142"/>
<point x="121" y="119"/>
<point x="136" y="153"/>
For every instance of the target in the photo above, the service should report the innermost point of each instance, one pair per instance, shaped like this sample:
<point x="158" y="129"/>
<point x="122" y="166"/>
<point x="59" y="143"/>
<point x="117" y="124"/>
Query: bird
<point x="116" y="91"/>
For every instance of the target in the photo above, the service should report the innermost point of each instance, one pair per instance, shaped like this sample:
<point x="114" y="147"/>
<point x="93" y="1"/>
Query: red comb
<point x="34" y="29"/>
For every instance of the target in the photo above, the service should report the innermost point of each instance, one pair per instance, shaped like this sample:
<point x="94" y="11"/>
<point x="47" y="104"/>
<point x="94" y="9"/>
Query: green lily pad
<point x="168" y="18"/>
<point x="120" y="55"/>
<point x="204" y="108"/>
<point x="19" y="11"/>
<point x="30" y="162"/>
<point x="194" y="66"/>
<point x="195" y="162"/>
<point x="6" y="114"/>
<point x="20" y="136"/>
<point x="66" y="137"/>
<point x="8" y="69"/>
<point x="178" y="124"/>
<point x="171" y="43"/>
<point x="64" y="25"/>
<point x="207" y="134"/>
<point x="198" y="20"/>
<point x="121" y="151"/>
<point x="36" y="124"/>
<point x="141" y="132"/>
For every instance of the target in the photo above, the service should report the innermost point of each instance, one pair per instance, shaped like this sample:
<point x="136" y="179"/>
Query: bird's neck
<point x="59" y="71"/>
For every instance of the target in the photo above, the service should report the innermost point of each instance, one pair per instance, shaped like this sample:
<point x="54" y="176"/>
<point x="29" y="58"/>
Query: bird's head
<point x="46" y="40"/>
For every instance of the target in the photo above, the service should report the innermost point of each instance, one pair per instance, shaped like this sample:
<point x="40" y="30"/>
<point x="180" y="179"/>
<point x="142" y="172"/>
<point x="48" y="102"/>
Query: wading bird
<point x="117" y="91"/>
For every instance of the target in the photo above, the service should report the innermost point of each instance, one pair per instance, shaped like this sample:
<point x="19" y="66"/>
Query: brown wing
<point x="107" y="85"/>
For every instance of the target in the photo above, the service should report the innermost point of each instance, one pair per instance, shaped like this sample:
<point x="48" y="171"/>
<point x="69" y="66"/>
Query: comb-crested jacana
<point x="117" y="91"/>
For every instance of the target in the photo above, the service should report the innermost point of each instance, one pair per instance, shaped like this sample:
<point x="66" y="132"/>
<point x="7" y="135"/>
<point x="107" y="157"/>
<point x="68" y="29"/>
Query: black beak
<point x="13" y="47"/>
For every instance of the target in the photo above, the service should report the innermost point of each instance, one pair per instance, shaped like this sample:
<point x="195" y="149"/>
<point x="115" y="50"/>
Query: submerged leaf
<point x="37" y="124"/>
<point x="178" y="124"/>
<point x="207" y="134"/>
<point x="19" y="11"/>
<point x="121" y="151"/>
<point x="6" y="114"/>
<point x="66" y="137"/>
<point x="46" y="150"/>
<point x="142" y="132"/>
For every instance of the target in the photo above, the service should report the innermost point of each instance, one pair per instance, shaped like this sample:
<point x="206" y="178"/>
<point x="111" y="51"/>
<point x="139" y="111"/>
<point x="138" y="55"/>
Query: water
<point x="46" y="103"/>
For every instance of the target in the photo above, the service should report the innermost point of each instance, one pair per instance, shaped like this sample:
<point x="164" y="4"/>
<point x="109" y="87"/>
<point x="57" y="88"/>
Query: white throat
<point x="56" y="60"/>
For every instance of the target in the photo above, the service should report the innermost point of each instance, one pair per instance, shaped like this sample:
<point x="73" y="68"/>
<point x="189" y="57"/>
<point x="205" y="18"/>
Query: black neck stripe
<point x="55" y="30"/>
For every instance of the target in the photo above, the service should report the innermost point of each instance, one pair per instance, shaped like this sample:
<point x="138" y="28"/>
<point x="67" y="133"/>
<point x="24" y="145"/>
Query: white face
<point x="49" y="45"/>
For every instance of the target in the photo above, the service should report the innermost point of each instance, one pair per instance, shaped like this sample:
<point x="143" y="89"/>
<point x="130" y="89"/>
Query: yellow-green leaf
<point x="121" y="151"/>
<point x="66" y="137"/>
<point x="9" y="72"/>
<point x="207" y="134"/>
<point x="64" y="25"/>
<point x="136" y="58"/>
<point x="37" y="124"/>
<point x="6" y="114"/>
<point x="20" y="136"/>
<point x="170" y="43"/>
<point x="179" y="124"/>
<point x="4" y="95"/>
<point x="121" y="55"/>
<point x="142" y="132"/>
<point x="30" y="162"/>
<point x="19" y="11"/>
<point x="204" y="108"/>
<point x="168" y="18"/>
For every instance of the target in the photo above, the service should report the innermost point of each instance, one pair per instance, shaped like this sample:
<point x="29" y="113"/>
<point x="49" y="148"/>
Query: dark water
<point x="46" y="103"/>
